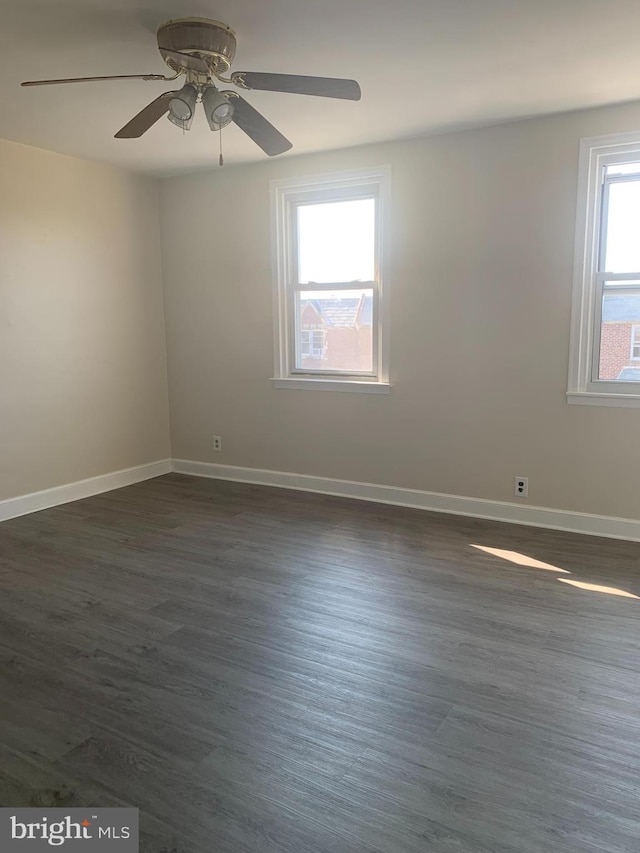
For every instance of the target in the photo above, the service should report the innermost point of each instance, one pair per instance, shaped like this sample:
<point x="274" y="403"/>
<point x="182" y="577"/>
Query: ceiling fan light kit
<point x="202" y="51"/>
<point x="182" y="106"/>
<point x="218" y="107"/>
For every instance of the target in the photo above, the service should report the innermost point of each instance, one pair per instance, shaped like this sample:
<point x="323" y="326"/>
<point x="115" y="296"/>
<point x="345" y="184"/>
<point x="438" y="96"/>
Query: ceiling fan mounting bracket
<point x="211" y="41"/>
<point x="237" y="78"/>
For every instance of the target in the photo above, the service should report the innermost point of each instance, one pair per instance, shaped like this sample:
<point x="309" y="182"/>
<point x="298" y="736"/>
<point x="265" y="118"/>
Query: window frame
<point x="286" y="195"/>
<point x="589" y="280"/>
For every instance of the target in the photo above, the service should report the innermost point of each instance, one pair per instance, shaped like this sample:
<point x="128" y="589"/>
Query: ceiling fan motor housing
<point x="210" y="40"/>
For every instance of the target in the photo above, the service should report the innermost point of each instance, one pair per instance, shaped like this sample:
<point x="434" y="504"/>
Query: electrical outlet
<point x="521" y="487"/>
<point x="217" y="443"/>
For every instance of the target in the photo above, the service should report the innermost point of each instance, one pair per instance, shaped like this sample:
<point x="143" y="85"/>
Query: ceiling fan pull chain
<point x="221" y="158"/>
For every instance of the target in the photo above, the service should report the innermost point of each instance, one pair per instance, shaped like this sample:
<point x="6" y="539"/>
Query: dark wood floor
<point x="260" y="670"/>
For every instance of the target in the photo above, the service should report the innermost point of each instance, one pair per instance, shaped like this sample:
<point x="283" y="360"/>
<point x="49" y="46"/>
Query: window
<point x="312" y="343"/>
<point x="635" y="343"/>
<point x="605" y="333"/>
<point x="330" y="281"/>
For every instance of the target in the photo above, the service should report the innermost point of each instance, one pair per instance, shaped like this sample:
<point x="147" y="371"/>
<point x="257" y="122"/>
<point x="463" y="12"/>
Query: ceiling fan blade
<point x="147" y="117"/>
<point x="258" y="128"/>
<point x="325" y="87"/>
<point x="185" y="60"/>
<point x="96" y="79"/>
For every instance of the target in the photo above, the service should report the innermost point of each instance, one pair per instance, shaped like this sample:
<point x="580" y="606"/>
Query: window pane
<point x="618" y="337"/>
<point x="622" y="251"/>
<point x="623" y="169"/>
<point x="336" y="241"/>
<point x="342" y="324"/>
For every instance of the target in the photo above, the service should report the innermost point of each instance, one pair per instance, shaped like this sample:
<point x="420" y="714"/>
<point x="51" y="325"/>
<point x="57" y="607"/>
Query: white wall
<point x="482" y="253"/>
<point x="82" y="348"/>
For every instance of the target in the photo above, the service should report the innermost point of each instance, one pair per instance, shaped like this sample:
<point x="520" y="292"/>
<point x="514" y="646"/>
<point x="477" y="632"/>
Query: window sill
<point x="597" y="398"/>
<point x="348" y="385"/>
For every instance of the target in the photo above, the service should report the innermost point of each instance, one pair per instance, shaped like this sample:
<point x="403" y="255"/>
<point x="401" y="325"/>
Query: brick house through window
<point x="620" y="337"/>
<point x="336" y="332"/>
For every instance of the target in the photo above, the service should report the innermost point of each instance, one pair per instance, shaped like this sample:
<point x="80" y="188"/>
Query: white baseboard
<point x="534" y="516"/>
<point x="24" y="504"/>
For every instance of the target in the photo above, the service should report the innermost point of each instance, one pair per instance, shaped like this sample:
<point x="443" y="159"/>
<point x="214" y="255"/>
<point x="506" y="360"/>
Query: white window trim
<point x="595" y="153"/>
<point x="284" y="193"/>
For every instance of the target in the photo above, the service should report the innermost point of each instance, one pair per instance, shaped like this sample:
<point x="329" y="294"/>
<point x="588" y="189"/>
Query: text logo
<point x="73" y="830"/>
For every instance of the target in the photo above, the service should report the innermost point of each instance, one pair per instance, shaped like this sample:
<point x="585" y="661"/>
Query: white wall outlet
<point x="217" y="443"/>
<point x="521" y="487"/>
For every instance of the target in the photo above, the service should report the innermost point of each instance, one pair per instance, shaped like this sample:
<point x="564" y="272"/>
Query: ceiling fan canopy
<point x="202" y="51"/>
<point x="211" y="45"/>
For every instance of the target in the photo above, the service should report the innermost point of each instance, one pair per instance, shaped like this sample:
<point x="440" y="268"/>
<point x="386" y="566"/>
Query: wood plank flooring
<point x="259" y="670"/>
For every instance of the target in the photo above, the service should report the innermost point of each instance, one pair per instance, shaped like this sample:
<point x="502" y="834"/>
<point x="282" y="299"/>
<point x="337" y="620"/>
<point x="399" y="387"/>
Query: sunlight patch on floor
<point x="594" y="587"/>
<point x="520" y="559"/>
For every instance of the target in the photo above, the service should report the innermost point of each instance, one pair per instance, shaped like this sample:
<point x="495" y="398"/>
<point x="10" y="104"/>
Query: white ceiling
<point x="424" y="66"/>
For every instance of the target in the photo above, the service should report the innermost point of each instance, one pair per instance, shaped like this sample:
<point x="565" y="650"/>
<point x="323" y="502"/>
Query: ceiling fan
<point x="203" y="50"/>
